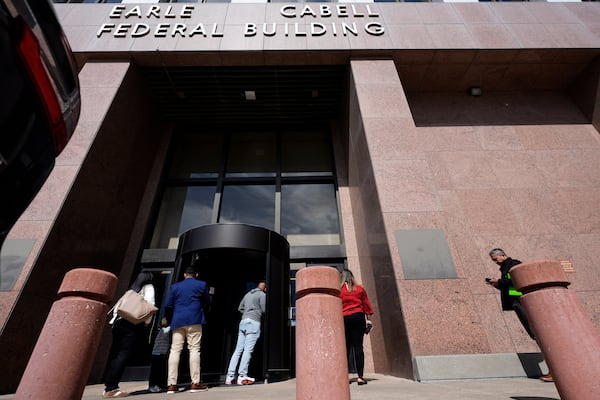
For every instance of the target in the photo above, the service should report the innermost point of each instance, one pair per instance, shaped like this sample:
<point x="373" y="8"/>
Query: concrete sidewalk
<point x="379" y="387"/>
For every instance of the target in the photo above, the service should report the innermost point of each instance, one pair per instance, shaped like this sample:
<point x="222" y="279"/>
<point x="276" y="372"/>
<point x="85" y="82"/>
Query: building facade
<point x="400" y="140"/>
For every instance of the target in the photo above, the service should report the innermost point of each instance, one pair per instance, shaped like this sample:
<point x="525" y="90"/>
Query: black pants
<point x="354" y="328"/>
<point x="124" y="335"/>
<point x="158" y="371"/>
<point x="518" y="308"/>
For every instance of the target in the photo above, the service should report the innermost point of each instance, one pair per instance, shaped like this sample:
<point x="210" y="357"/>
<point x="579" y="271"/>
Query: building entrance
<point x="232" y="259"/>
<point x="229" y="273"/>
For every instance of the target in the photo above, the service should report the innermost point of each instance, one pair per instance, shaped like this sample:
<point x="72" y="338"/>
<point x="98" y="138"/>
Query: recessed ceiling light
<point x="475" y="91"/>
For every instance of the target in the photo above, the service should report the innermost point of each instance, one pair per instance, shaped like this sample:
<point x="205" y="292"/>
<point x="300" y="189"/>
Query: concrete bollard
<point x="321" y="361"/>
<point x="63" y="355"/>
<point x="564" y="332"/>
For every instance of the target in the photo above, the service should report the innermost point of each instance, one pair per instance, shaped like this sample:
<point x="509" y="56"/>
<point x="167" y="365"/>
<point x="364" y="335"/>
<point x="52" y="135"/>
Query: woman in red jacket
<point x="357" y="309"/>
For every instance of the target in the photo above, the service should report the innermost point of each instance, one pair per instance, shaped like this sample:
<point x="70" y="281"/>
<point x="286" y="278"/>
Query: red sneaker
<point x="245" y="380"/>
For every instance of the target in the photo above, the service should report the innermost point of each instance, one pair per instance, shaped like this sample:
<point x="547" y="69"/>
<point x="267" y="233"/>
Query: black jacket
<point x="504" y="283"/>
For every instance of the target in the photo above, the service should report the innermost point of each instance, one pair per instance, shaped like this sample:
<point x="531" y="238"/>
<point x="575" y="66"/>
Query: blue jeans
<point x="248" y="334"/>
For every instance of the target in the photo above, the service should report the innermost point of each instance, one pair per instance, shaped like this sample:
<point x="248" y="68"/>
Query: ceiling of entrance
<point x="248" y="94"/>
<point x="315" y="93"/>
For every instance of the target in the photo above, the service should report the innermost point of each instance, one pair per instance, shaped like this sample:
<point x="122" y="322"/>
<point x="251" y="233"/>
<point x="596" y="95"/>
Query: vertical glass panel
<point x="182" y="208"/>
<point x="248" y="204"/>
<point x="252" y="155"/>
<point x="306" y="153"/>
<point x="196" y="156"/>
<point x="309" y="215"/>
<point x="13" y="255"/>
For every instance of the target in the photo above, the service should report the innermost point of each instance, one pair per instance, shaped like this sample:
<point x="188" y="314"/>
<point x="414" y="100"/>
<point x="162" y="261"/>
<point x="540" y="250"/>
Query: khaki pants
<point x="192" y="334"/>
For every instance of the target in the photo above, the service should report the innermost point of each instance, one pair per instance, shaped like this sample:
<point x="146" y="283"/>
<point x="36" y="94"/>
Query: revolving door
<point x="232" y="258"/>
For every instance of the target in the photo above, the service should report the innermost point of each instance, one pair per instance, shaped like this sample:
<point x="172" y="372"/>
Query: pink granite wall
<point x="520" y="175"/>
<point x="367" y="246"/>
<point x="508" y="169"/>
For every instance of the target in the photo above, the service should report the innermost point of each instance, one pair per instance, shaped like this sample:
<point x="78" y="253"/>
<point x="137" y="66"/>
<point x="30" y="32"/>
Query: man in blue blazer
<point x="185" y="311"/>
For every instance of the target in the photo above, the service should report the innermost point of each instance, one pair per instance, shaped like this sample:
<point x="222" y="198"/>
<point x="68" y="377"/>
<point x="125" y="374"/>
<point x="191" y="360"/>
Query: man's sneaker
<point x="229" y="380"/>
<point x="114" y="393"/>
<point x="172" y="389"/>
<point x="198" y="387"/>
<point x="245" y="380"/>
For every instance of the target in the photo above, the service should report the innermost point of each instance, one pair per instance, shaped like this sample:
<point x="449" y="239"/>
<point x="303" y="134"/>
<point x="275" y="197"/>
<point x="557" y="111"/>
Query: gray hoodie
<point x="253" y="305"/>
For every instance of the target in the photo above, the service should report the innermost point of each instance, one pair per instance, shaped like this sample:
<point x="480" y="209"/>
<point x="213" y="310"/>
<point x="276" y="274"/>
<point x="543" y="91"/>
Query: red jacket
<point x="355" y="301"/>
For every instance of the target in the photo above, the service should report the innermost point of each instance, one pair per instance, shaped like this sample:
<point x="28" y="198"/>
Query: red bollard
<point x="564" y="332"/>
<point x="63" y="355"/>
<point x="321" y="361"/>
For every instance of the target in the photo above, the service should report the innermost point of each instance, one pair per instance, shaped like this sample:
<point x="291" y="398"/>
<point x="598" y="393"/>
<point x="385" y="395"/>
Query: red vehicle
<point x="39" y="102"/>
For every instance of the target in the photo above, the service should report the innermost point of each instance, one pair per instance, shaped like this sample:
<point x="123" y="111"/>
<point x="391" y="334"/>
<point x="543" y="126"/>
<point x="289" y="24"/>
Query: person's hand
<point x="492" y="282"/>
<point x="368" y="327"/>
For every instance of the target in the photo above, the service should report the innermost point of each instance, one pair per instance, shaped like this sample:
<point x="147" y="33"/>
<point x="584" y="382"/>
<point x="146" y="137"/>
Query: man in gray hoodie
<point x="252" y="307"/>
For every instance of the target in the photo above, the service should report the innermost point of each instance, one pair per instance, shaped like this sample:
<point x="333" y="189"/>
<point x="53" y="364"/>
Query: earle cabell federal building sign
<point x="304" y="20"/>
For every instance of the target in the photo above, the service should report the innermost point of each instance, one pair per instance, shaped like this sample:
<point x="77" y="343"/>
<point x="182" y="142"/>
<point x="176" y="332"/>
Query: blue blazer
<point x="187" y="302"/>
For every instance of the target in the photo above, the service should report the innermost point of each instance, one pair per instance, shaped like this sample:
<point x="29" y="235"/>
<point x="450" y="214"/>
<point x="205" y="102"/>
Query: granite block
<point x="492" y="36"/>
<point x="406" y="185"/>
<point x="475" y="13"/>
<point x="450" y="36"/>
<point x="505" y="138"/>
<point x="452" y="326"/>
<point x="47" y="203"/>
<point x="482" y="366"/>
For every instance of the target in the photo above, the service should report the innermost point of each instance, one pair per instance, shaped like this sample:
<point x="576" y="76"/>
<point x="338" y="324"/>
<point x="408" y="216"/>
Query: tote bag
<point x="134" y="308"/>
